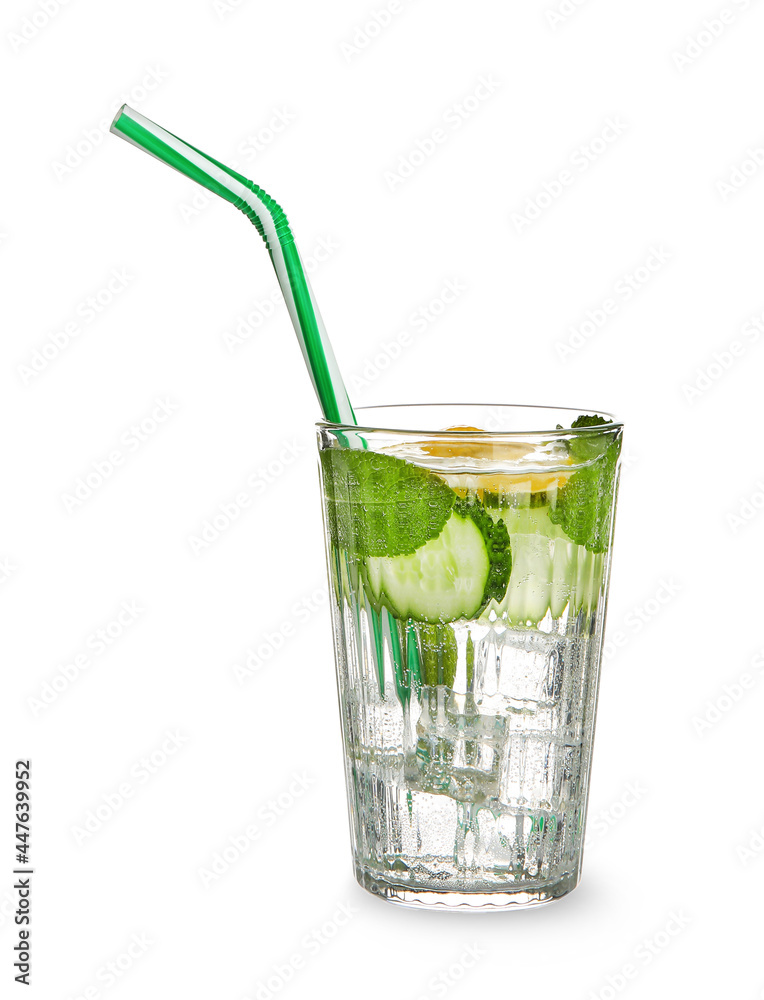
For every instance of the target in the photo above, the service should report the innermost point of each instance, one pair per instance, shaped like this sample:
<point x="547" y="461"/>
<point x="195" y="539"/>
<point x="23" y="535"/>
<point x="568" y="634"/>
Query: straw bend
<point x="271" y="223"/>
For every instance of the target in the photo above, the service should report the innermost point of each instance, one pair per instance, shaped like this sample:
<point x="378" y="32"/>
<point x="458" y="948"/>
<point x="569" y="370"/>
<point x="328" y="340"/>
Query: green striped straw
<point x="271" y="222"/>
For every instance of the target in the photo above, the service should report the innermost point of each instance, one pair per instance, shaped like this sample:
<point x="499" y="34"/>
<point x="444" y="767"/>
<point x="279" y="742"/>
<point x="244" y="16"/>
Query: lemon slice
<point x="494" y="450"/>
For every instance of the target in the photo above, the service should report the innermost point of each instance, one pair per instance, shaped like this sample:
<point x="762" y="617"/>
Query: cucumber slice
<point x="549" y="571"/>
<point x="537" y="545"/>
<point x="545" y="566"/>
<point x="530" y="583"/>
<point x="443" y="580"/>
<point x="563" y="562"/>
<point x="583" y="573"/>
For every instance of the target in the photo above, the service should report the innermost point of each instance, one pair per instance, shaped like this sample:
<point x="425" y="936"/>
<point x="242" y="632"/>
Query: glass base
<point x="464" y="902"/>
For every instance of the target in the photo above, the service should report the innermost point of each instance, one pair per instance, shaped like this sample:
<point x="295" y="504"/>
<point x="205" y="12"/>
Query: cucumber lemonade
<point x="468" y="571"/>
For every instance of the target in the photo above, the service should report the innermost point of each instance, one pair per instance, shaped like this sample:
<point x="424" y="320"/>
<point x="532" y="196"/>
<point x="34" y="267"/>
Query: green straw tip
<point x="113" y="128"/>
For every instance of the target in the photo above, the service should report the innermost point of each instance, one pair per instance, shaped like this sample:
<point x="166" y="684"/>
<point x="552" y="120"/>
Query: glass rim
<point x="612" y="424"/>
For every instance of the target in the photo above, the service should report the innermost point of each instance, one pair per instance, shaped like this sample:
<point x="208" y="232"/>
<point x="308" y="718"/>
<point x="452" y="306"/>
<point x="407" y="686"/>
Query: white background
<point x="676" y="796"/>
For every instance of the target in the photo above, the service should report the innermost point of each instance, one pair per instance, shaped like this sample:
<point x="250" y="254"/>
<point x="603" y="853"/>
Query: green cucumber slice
<point x="549" y="571"/>
<point x="535" y="552"/>
<point x="563" y="562"/>
<point x="450" y="577"/>
<point x="530" y="584"/>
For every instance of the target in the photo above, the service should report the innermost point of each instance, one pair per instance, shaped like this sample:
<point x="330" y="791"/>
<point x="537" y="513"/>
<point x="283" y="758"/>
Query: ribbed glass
<point x="468" y="743"/>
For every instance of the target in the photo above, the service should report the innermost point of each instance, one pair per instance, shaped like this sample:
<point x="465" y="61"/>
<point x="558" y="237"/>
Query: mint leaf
<point x="379" y="505"/>
<point x="584" y="503"/>
<point x="584" y="447"/>
<point x="588" y="421"/>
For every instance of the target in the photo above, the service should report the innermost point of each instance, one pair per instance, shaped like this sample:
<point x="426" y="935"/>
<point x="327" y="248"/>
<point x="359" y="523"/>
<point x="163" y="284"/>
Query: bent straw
<point x="271" y="222"/>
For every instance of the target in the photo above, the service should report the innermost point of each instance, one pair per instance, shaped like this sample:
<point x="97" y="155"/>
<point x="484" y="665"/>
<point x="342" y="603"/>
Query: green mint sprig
<point x="584" y="503"/>
<point x="379" y="505"/>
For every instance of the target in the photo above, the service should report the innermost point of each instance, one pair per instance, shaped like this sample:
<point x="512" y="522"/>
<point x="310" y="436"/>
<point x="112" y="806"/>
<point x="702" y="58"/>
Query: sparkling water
<point x="478" y="786"/>
<point x="468" y="743"/>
